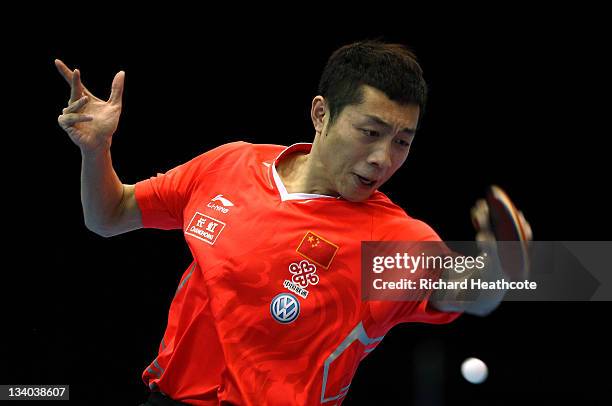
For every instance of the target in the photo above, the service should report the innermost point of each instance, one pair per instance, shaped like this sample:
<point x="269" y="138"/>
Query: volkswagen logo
<point x="284" y="308"/>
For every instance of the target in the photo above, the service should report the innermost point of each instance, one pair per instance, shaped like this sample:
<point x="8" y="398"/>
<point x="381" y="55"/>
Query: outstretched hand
<point x="89" y="121"/>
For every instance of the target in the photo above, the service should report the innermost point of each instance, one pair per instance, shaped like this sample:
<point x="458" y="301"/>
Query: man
<point x="270" y="312"/>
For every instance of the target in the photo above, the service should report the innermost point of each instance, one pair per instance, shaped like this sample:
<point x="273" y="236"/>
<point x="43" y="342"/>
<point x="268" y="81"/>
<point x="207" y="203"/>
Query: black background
<point x="520" y="104"/>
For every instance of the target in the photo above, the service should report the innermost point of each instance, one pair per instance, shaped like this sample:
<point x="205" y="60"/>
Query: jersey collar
<point x="284" y="195"/>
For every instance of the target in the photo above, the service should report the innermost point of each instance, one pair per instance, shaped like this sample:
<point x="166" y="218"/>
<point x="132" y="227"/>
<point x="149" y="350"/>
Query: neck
<point x="301" y="173"/>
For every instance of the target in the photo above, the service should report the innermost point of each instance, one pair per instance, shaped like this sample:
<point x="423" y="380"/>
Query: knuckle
<point x="67" y="120"/>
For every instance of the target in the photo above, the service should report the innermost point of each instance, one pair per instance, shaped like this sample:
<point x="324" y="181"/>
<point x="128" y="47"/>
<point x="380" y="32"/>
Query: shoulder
<point x="240" y="149"/>
<point x="230" y="154"/>
<point x="231" y="148"/>
<point x="391" y="222"/>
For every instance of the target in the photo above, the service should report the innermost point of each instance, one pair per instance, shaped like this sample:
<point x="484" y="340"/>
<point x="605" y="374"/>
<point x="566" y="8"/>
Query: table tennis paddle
<point x="498" y="216"/>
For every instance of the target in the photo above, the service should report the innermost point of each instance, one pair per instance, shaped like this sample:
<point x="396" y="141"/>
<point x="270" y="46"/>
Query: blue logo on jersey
<point x="284" y="308"/>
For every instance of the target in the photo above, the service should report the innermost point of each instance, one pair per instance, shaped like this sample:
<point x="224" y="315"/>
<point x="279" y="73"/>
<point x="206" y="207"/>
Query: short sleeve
<point x="162" y="198"/>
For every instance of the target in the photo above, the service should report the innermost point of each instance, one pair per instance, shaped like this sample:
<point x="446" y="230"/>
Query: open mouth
<point x="364" y="181"/>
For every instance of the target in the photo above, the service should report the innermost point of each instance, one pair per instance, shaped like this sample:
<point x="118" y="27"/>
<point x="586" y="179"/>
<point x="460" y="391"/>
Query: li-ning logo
<point x="284" y="308"/>
<point x="224" y="202"/>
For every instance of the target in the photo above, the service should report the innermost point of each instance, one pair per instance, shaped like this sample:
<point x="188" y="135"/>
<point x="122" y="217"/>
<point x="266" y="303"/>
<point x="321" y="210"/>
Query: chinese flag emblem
<point x="317" y="249"/>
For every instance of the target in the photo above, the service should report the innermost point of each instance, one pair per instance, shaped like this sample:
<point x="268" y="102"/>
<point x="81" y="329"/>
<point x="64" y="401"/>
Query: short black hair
<point x="390" y="68"/>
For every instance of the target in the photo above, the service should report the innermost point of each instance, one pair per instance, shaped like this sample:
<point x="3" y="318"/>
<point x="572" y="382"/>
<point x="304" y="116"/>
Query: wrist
<point x="95" y="154"/>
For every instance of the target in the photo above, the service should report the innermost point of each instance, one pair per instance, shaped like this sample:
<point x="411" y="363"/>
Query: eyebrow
<point x="382" y="122"/>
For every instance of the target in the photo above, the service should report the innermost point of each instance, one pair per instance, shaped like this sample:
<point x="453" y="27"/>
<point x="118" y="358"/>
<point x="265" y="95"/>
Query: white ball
<point x="474" y="370"/>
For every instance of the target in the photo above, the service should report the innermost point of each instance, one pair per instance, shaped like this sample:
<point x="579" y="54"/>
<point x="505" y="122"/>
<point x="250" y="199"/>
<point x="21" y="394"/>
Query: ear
<point x="319" y="114"/>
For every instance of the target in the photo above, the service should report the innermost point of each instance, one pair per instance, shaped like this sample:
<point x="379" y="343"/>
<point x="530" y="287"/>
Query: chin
<point x="355" y="197"/>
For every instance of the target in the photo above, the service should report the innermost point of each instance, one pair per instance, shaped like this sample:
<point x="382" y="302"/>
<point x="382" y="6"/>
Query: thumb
<point x="117" y="88"/>
<point x="480" y="216"/>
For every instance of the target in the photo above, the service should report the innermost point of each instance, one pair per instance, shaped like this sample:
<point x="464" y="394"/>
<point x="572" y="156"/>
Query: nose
<point x="380" y="156"/>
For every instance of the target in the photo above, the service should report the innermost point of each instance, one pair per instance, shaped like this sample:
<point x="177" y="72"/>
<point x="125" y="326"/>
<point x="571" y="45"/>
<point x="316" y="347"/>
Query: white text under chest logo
<point x="205" y="228"/>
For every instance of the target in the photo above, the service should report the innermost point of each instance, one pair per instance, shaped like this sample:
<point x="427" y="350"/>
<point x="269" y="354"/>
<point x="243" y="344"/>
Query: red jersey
<point x="270" y="310"/>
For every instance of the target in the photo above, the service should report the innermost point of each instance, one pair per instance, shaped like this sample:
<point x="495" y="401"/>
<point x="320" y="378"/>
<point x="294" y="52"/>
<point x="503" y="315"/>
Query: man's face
<point x="366" y="144"/>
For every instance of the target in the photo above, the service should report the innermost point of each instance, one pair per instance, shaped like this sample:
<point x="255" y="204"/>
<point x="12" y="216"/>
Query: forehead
<point x="376" y="103"/>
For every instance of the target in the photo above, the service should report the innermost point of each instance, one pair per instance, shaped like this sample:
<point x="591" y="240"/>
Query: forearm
<point x="101" y="191"/>
<point x="477" y="302"/>
<point x="483" y="302"/>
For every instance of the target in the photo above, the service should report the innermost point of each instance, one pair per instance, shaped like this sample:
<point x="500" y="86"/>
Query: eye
<point x="403" y="143"/>
<point x="370" y="133"/>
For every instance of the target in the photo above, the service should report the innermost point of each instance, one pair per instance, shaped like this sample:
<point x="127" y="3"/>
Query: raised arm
<point x="109" y="206"/>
